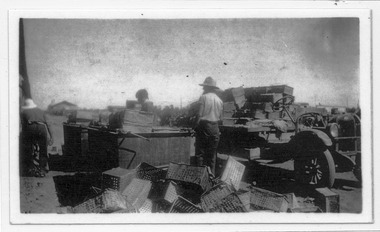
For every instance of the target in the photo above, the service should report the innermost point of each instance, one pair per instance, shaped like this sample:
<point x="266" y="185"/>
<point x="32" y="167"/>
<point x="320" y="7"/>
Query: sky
<point x="99" y="62"/>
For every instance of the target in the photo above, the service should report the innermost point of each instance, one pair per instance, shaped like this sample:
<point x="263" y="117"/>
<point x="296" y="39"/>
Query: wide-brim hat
<point x="210" y="82"/>
<point x="28" y="104"/>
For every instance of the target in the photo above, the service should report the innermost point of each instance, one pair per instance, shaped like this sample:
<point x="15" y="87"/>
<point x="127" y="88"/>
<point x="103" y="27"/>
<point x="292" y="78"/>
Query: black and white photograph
<point x="191" y="116"/>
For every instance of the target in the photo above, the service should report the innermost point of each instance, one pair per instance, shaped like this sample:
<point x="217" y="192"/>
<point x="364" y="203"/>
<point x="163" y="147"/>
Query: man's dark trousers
<point x="206" y="144"/>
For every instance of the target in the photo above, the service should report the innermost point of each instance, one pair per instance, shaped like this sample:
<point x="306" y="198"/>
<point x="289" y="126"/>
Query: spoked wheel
<point x="315" y="168"/>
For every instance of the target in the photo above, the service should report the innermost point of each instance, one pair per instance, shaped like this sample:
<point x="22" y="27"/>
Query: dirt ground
<point x="41" y="195"/>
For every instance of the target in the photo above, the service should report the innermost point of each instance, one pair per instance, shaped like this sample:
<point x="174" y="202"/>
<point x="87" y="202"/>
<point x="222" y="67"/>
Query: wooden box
<point x="161" y="149"/>
<point x="270" y="97"/>
<point x="239" y="96"/>
<point x="229" y="109"/>
<point x="229" y="121"/>
<point x="76" y="139"/>
<point x="132" y="120"/>
<point x="327" y="200"/>
<point x="274" y="115"/>
<point x="283" y="89"/>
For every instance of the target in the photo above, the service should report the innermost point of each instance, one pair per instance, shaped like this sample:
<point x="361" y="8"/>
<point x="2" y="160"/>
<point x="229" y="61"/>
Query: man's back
<point x="212" y="107"/>
<point x="33" y="115"/>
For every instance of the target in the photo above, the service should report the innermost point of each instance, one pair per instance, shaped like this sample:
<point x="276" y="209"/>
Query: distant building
<point x="301" y="104"/>
<point x="62" y="107"/>
<point x="333" y="109"/>
<point x="116" y="108"/>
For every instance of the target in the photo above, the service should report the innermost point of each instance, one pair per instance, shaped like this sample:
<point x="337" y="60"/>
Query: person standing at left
<point x="36" y="137"/>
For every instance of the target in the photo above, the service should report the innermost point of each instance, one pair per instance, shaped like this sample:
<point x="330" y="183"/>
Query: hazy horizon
<point x="97" y="62"/>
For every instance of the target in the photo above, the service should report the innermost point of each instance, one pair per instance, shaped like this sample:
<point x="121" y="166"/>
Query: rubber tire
<point x="326" y="162"/>
<point x="357" y="169"/>
<point x="358" y="173"/>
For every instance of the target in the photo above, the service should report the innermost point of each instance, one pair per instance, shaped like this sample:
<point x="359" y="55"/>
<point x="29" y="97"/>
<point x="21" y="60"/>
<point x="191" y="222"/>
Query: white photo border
<point x="366" y="103"/>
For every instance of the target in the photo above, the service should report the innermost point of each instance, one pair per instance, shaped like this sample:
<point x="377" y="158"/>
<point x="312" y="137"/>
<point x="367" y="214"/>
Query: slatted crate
<point x="245" y="198"/>
<point x="264" y="199"/>
<point x="113" y="201"/>
<point x="146" y="171"/>
<point x="229" y="204"/>
<point x="181" y="205"/>
<point x="137" y="192"/>
<point x="189" y="191"/>
<point x="117" y="178"/>
<point x="93" y="205"/>
<point x="214" y="196"/>
<point x="166" y="191"/>
<point x="147" y="206"/>
<point x="233" y="173"/>
<point x="189" y="174"/>
<point x="128" y="210"/>
<point x="161" y="206"/>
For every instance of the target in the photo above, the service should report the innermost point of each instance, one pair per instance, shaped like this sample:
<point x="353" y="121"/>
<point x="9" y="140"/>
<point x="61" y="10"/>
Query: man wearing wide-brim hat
<point x="35" y="138"/>
<point x="207" y="129"/>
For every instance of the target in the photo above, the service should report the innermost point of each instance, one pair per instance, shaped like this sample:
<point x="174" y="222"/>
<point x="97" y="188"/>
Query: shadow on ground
<point x="280" y="179"/>
<point x="74" y="189"/>
<point x="346" y="185"/>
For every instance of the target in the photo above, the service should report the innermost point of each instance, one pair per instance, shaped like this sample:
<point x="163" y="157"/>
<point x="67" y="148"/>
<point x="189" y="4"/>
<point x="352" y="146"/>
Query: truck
<point x="268" y="120"/>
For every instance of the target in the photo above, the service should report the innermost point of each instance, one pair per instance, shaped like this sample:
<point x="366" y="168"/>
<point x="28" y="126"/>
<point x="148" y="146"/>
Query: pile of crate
<point x="181" y="188"/>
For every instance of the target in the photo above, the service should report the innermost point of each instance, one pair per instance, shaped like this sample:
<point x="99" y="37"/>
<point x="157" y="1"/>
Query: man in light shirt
<point x="207" y="129"/>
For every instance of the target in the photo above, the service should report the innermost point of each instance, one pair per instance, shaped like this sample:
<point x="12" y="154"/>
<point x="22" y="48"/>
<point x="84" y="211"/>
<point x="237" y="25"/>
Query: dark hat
<point x="210" y="83"/>
<point x="142" y="93"/>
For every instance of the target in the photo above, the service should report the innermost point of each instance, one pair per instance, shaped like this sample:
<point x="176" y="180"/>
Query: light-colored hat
<point x="210" y="83"/>
<point x="29" y="104"/>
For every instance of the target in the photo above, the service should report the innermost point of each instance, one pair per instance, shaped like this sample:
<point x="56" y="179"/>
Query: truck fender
<point x="342" y="162"/>
<point x="311" y="139"/>
<point x="313" y="133"/>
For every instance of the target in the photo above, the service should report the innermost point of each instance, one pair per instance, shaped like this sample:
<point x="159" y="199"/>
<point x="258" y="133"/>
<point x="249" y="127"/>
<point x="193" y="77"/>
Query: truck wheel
<point x="317" y="168"/>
